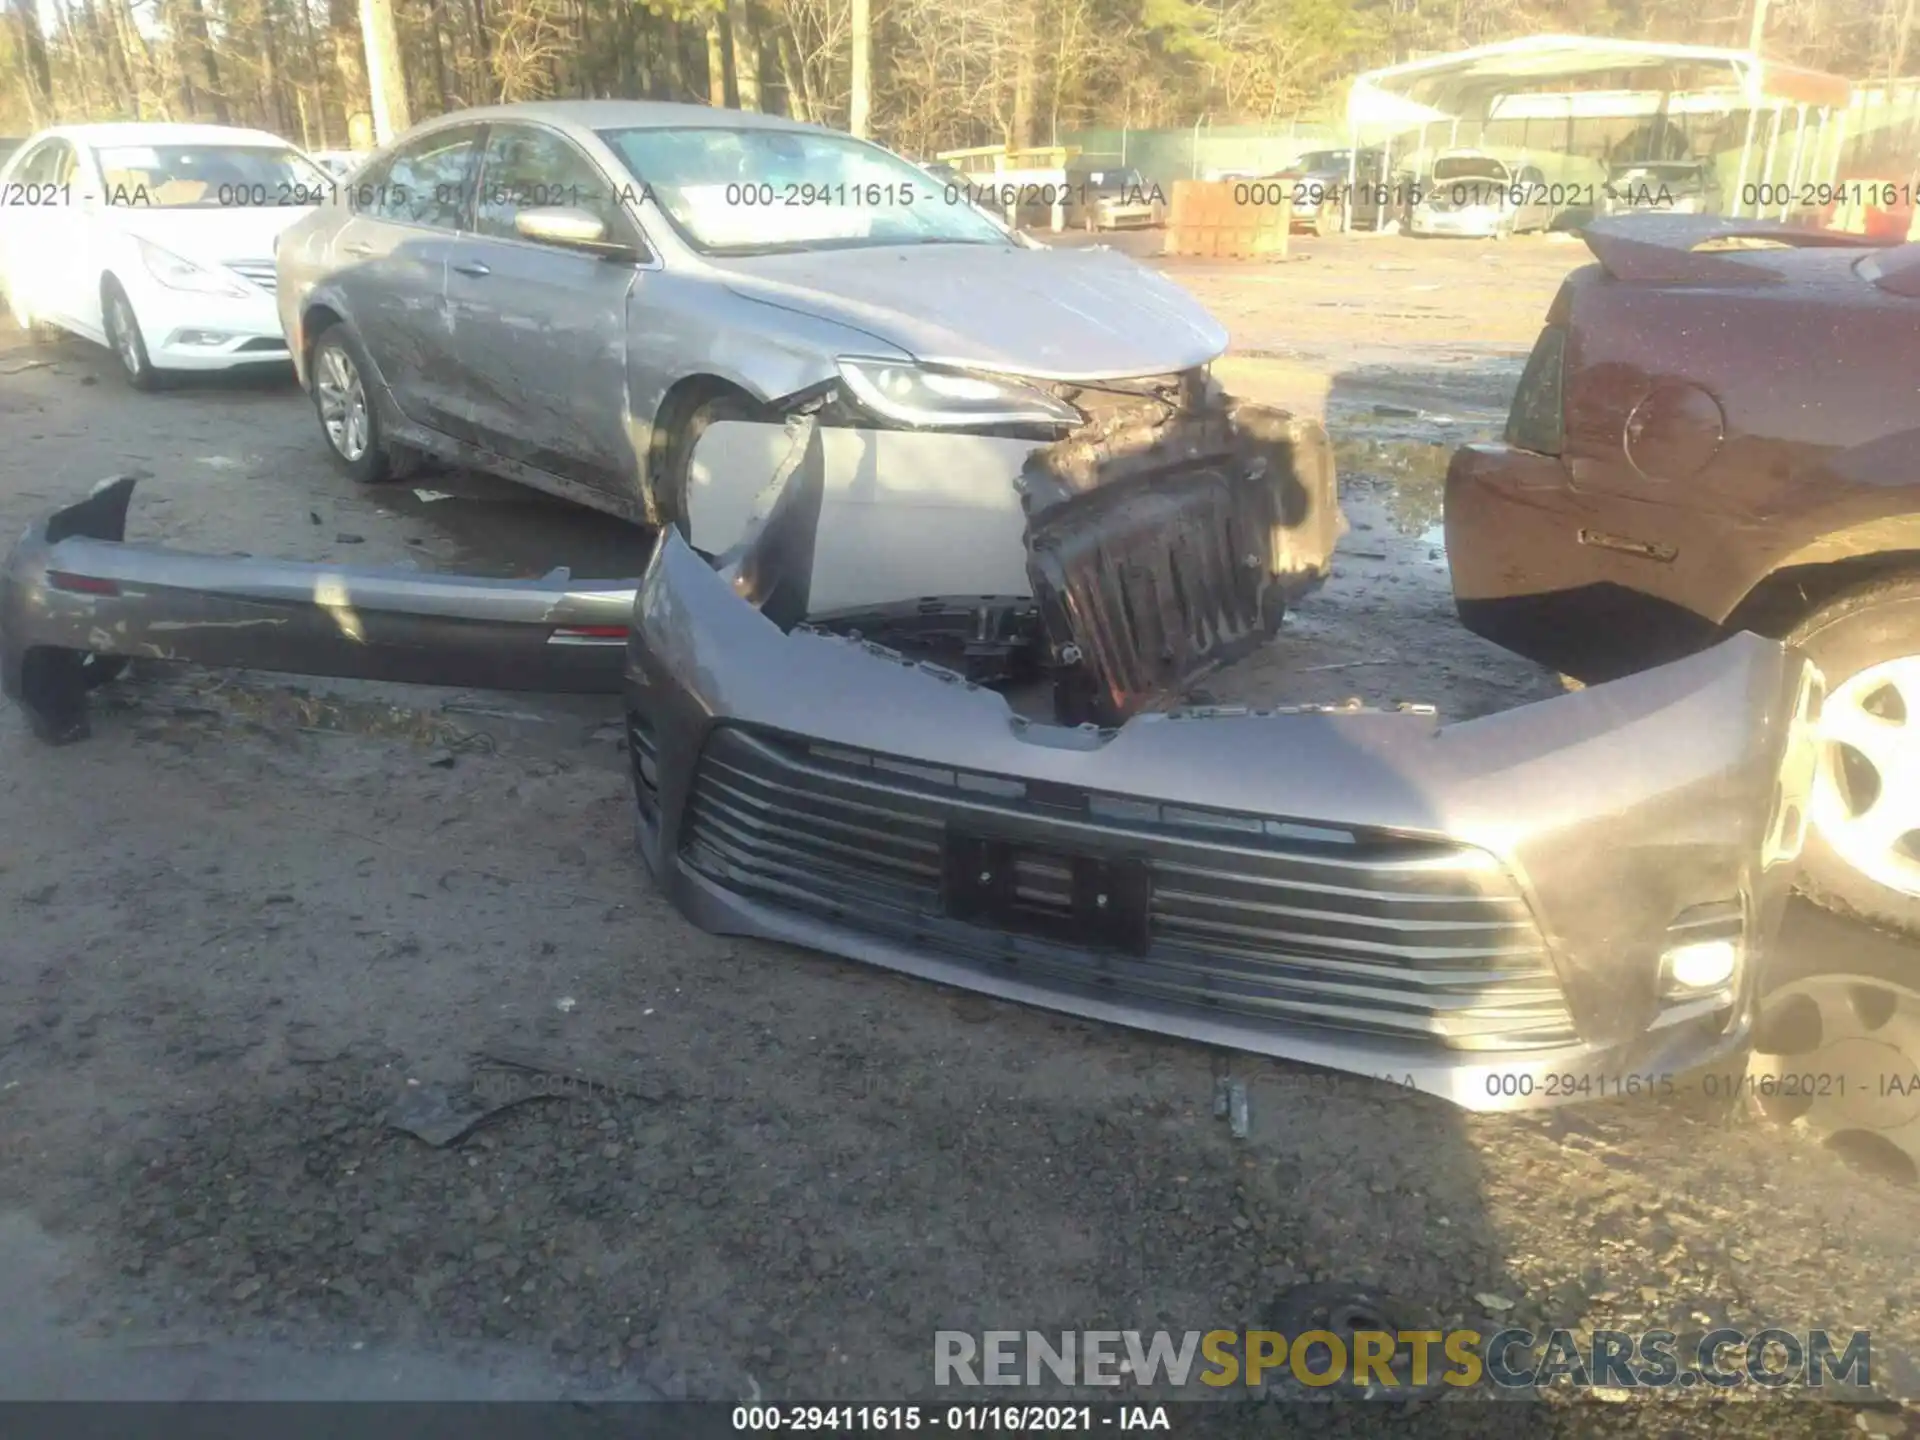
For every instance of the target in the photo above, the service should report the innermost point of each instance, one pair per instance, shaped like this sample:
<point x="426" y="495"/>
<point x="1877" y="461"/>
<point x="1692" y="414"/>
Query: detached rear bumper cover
<point x="72" y="591"/>
<point x="1469" y="909"/>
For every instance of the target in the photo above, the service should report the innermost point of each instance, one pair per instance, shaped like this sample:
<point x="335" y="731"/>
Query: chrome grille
<point x="1348" y="929"/>
<point x="259" y="272"/>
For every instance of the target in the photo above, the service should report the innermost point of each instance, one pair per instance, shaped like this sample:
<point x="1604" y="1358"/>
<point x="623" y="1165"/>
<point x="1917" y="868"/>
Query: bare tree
<point x="860" y="101"/>
<point x="350" y="62"/>
<point x="745" y="46"/>
<point x="925" y="75"/>
<point x="386" y="74"/>
<point x="30" y="54"/>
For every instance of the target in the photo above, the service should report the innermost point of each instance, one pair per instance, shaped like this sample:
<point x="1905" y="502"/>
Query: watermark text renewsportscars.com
<point x="1381" y="1361"/>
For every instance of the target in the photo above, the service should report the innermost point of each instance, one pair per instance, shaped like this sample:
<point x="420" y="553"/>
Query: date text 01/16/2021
<point x="952" y="1419"/>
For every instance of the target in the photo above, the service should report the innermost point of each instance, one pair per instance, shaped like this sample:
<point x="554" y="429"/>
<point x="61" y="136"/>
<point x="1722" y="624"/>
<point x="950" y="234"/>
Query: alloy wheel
<point x="343" y="402"/>
<point x="1866" y="796"/>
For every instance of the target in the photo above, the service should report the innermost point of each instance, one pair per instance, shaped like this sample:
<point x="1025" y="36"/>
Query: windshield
<point x="1468" y="167"/>
<point x="1664" y="170"/>
<point x="1112" y="181"/>
<point x="1324" y="160"/>
<point x="742" y="192"/>
<point x="205" y="176"/>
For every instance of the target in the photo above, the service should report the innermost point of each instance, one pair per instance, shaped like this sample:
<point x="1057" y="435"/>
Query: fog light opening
<point x="1699" y="967"/>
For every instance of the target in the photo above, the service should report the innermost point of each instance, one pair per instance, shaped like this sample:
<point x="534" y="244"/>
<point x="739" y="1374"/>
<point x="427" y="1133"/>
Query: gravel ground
<point x="245" y="921"/>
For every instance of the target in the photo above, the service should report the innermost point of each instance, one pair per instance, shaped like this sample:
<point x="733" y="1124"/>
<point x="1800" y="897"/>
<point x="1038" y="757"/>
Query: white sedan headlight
<point x="178" y="274"/>
<point x="949" y="399"/>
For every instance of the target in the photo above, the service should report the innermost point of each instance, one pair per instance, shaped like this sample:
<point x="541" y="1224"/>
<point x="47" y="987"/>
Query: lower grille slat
<point x="1389" y="935"/>
<point x="260" y="272"/>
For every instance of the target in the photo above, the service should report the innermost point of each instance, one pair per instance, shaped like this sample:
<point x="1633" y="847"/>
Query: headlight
<point x="178" y="274"/>
<point x="949" y="399"/>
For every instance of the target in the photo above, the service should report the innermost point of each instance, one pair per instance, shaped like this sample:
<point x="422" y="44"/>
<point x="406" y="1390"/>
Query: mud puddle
<point x="1398" y="459"/>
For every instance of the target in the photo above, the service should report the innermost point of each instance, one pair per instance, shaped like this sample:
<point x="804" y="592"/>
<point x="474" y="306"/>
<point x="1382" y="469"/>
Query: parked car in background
<point x="1676" y="187"/>
<point x="1718" y="439"/>
<point x="1470" y="193"/>
<point x="1113" y="199"/>
<point x="1319" y="184"/>
<point x="341" y="163"/>
<point x="154" y="239"/>
<point x="571" y="294"/>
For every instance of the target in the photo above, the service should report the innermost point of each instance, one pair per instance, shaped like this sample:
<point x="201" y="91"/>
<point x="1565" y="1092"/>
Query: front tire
<point x="129" y="345"/>
<point x="343" y="400"/>
<point x="1863" y="847"/>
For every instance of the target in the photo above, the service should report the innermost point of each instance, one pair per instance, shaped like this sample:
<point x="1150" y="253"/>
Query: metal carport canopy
<point x="1465" y="83"/>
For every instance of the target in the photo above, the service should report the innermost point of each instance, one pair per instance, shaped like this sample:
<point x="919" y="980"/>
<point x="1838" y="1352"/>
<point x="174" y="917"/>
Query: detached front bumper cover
<point x="1477" y="910"/>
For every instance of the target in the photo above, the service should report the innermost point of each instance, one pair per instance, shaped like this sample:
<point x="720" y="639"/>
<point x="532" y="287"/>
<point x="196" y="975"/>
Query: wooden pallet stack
<point x="1223" y="219"/>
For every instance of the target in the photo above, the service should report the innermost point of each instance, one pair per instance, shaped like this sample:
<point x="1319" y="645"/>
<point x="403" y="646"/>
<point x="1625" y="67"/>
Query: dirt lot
<point x="244" y="920"/>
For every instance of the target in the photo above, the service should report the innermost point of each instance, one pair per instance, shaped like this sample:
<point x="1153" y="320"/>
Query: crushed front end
<point x="1166" y="532"/>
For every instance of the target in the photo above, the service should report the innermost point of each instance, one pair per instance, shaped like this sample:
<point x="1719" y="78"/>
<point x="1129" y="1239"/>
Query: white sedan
<point x="155" y="240"/>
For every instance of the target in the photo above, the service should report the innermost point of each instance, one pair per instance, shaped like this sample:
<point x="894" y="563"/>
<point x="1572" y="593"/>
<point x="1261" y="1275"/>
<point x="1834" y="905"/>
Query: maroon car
<point x="1719" y="429"/>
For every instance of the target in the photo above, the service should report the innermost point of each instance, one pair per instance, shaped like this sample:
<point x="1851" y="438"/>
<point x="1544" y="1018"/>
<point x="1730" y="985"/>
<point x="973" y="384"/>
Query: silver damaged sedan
<point x="570" y="294"/>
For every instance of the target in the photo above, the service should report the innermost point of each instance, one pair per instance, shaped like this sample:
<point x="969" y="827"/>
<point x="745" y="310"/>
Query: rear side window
<point x="423" y="184"/>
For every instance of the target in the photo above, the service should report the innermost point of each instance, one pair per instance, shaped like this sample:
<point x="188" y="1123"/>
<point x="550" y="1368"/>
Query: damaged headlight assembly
<point x="927" y="397"/>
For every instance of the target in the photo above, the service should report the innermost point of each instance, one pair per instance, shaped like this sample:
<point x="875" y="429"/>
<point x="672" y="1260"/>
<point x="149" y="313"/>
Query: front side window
<point x="206" y="177"/>
<point x="423" y="184"/>
<point x="764" y="191"/>
<point x="528" y="168"/>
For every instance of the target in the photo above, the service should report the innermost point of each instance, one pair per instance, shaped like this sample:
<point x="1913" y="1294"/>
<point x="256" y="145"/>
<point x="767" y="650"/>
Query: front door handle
<point x="358" y="247"/>
<point x="471" y="267"/>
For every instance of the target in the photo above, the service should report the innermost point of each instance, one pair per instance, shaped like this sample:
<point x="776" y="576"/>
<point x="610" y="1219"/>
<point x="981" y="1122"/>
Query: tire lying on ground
<point x="1836" y="1055"/>
<point x="1863" y="845"/>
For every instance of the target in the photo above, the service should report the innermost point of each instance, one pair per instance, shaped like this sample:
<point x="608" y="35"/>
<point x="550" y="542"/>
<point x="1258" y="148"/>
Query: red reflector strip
<point x="82" y="584"/>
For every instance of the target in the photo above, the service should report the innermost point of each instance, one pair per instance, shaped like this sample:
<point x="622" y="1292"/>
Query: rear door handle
<point x="471" y="267"/>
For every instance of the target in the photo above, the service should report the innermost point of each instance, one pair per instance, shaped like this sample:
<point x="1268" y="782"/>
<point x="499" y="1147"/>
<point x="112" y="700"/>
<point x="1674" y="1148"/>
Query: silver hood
<point x="1048" y="314"/>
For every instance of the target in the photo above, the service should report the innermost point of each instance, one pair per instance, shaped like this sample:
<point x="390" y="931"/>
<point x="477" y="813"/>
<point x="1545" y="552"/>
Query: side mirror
<point x="573" y="228"/>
